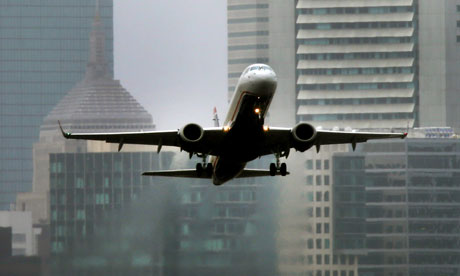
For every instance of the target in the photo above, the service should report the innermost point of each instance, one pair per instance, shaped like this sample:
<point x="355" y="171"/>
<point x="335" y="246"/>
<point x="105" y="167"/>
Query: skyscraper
<point x="43" y="53"/>
<point x="357" y="63"/>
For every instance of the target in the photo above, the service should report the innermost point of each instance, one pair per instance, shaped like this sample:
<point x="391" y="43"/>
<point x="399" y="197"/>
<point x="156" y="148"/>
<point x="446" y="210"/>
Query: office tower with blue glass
<point x="43" y="53"/>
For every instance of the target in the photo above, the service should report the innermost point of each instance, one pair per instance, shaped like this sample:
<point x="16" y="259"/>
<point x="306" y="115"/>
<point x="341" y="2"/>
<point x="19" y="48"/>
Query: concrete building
<point x="397" y="204"/>
<point x="43" y="53"/>
<point x="357" y="63"/>
<point x="439" y="52"/>
<point x="23" y="237"/>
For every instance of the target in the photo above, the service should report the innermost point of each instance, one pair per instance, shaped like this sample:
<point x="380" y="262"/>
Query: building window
<point x="318" y="228"/>
<point x="319" y="259"/>
<point x="326" y="228"/>
<point x="319" y="196"/>
<point x="318" y="164"/>
<point x="310" y="164"/>
<point x="326" y="180"/>
<point x="310" y="259"/>
<point x="327" y="261"/>
<point x="309" y="180"/>
<point x="310" y="243"/>
<point x="326" y="164"/>
<point x="327" y="243"/>
<point x="318" y="244"/>
<point x="318" y="212"/>
<point x="318" y="180"/>
<point x="326" y="196"/>
<point x="326" y="212"/>
<point x="310" y="212"/>
<point x="458" y="8"/>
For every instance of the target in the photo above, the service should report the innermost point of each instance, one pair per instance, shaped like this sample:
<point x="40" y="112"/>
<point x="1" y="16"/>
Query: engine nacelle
<point x="303" y="136"/>
<point x="191" y="133"/>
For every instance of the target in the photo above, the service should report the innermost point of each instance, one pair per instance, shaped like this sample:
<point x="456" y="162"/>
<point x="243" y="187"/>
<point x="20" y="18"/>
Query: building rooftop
<point x="98" y="103"/>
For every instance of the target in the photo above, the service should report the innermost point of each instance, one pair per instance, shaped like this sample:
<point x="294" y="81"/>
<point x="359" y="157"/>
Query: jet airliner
<point x="242" y="138"/>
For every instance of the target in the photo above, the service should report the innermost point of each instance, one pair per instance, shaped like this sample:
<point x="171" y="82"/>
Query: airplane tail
<point x="215" y="118"/>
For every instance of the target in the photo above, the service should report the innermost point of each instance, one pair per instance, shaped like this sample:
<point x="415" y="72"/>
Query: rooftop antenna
<point x="98" y="5"/>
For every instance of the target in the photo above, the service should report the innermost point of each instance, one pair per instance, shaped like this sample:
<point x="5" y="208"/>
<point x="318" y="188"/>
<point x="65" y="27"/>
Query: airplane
<point x="242" y="138"/>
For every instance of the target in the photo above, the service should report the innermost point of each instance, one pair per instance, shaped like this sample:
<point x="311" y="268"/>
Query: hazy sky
<point x="172" y="56"/>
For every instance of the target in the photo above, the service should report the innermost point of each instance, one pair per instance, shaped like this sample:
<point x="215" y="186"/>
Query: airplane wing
<point x="191" y="173"/>
<point x="211" y="138"/>
<point x="281" y="138"/>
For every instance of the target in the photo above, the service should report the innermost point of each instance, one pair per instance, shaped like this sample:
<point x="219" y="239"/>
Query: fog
<point x="172" y="56"/>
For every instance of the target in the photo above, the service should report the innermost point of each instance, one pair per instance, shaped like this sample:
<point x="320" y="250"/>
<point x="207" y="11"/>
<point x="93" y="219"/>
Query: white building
<point x="24" y="241"/>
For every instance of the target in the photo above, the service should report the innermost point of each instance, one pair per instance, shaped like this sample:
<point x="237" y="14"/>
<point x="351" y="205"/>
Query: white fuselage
<point x="248" y="107"/>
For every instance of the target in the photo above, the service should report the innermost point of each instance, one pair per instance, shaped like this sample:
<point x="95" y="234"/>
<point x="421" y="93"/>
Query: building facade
<point x="43" y="53"/>
<point x="397" y="205"/>
<point x="106" y="218"/>
<point x="357" y="63"/>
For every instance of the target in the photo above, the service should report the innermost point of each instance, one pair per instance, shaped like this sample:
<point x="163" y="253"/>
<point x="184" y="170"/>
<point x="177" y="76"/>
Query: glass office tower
<point x="43" y="53"/>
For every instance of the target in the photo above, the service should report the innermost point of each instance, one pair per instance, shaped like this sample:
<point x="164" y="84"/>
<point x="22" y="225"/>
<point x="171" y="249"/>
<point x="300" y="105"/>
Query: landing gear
<point x="282" y="168"/>
<point x="199" y="169"/>
<point x="204" y="169"/>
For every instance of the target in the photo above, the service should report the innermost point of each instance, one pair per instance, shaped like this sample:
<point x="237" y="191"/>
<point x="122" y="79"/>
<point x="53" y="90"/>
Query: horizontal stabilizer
<point x="191" y="173"/>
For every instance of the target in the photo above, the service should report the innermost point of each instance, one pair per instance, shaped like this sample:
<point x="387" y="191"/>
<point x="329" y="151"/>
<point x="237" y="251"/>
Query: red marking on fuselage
<point x="239" y="102"/>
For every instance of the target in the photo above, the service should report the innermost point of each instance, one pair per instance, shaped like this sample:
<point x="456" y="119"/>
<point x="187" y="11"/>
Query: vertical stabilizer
<point x="215" y="118"/>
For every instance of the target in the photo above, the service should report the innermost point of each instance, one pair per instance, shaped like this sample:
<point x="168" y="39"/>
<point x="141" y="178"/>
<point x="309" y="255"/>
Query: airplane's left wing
<point x="210" y="138"/>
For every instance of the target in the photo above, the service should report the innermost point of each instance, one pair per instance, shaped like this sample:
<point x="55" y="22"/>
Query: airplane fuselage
<point x="245" y="122"/>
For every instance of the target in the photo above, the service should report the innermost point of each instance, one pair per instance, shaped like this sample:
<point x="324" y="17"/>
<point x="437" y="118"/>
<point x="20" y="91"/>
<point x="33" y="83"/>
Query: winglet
<point x="404" y="135"/>
<point x="65" y="134"/>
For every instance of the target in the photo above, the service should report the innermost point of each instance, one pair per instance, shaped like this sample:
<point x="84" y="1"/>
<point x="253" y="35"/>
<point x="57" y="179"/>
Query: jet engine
<point x="303" y="136"/>
<point x="191" y="133"/>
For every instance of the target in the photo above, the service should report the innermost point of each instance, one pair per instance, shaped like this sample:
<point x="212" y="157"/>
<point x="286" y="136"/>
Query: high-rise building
<point x="95" y="103"/>
<point x="263" y="31"/>
<point x="43" y="53"/>
<point x="106" y="218"/>
<point x="439" y="53"/>
<point x="357" y="63"/>
<point x="397" y="205"/>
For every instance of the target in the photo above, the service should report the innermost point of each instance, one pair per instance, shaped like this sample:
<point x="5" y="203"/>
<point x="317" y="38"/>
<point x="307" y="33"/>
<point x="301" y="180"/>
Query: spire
<point x="97" y="66"/>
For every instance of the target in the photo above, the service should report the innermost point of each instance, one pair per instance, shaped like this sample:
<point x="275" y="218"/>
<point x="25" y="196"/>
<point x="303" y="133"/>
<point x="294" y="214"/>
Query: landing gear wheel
<point x="283" y="169"/>
<point x="209" y="169"/>
<point x="199" y="169"/>
<point x="273" y="169"/>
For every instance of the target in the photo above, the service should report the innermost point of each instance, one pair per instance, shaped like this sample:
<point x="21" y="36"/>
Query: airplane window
<point x="254" y="68"/>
